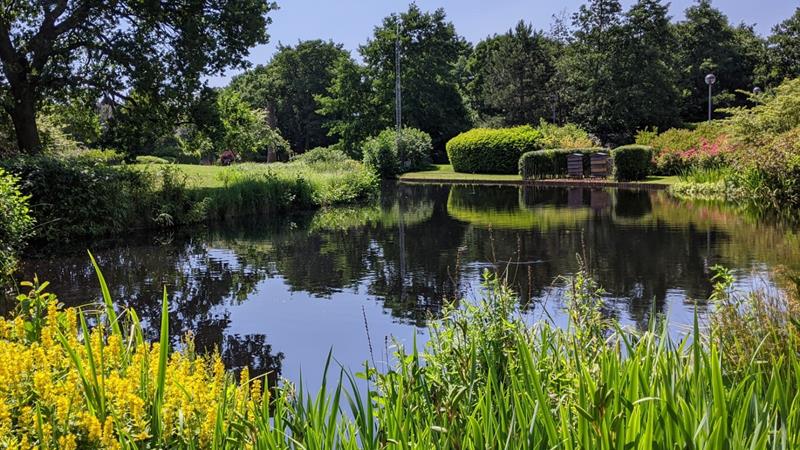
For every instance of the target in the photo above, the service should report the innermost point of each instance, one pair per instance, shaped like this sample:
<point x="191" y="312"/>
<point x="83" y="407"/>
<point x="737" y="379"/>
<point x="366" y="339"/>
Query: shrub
<point x="565" y="136"/>
<point x="148" y="159"/>
<point x="483" y="150"/>
<point x="322" y="155"/>
<point x="15" y="222"/>
<point x="107" y="156"/>
<point x="390" y="156"/>
<point x="632" y="162"/>
<point x="77" y="197"/>
<point x="678" y="150"/>
<point x="553" y="163"/>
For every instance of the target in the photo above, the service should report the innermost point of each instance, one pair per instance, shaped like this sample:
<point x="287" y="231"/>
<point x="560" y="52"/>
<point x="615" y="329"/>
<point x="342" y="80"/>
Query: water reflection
<point x="235" y="285"/>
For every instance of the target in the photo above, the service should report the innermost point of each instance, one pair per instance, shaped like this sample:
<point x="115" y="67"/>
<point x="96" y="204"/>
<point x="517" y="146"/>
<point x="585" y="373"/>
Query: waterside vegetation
<point x="487" y="378"/>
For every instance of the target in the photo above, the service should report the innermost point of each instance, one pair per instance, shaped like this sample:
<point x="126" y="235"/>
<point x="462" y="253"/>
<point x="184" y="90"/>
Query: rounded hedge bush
<point x="389" y="155"/>
<point x="484" y="150"/>
<point x="632" y="162"/>
<point x="553" y="163"/>
<point x="15" y="222"/>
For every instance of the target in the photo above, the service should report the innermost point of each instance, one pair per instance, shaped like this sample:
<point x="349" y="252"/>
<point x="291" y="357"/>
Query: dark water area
<point x="278" y="294"/>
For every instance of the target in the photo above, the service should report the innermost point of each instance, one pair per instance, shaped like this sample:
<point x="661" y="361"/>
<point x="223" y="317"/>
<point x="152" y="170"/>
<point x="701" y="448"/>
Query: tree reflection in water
<point x="645" y="248"/>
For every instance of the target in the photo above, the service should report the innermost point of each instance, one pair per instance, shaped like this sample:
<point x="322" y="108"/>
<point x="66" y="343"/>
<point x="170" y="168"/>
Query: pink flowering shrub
<point x="680" y="150"/>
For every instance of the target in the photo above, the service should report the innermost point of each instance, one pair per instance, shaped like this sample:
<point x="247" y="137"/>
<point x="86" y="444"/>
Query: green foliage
<point x="784" y="49"/>
<point x="632" y="162"/>
<point x="616" y="76"/>
<point x="322" y="155"/>
<point x="106" y="156"/>
<point x="15" y="222"/>
<point x="483" y="150"/>
<point x="246" y="131"/>
<point x="432" y="100"/>
<point x="708" y="43"/>
<point x="350" y="108"/>
<point x="486" y="379"/>
<point x="552" y="163"/>
<point x="766" y="161"/>
<point x="565" y="136"/>
<point x="287" y="87"/>
<point x="390" y="155"/>
<point x="148" y="159"/>
<point x="300" y="184"/>
<point x="78" y="197"/>
<point x="679" y="150"/>
<point x="94" y="48"/>
<point x="509" y="76"/>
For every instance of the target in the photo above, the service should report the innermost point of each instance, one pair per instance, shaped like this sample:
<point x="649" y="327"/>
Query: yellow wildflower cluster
<point x="67" y="390"/>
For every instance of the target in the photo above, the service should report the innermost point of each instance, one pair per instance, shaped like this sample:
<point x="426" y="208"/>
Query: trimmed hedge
<point x="632" y="162"/>
<point x="553" y="163"/>
<point x="484" y="150"/>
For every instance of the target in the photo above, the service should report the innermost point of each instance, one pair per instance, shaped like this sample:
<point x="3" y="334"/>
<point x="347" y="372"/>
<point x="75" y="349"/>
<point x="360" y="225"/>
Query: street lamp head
<point x="711" y="79"/>
<point x="757" y="90"/>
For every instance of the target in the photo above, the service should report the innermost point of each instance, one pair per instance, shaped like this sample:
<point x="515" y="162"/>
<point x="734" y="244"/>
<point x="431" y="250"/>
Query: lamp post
<point x="710" y="80"/>
<point x="757" y="90"/>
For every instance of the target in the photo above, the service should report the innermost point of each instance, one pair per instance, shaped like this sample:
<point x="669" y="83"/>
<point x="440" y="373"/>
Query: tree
<point x="590" y="68"/>
<point x="510" y="76"/>
<point x="287" y="85"/>
<point x="430" y="50"/>
<point x="246" y="131"/>
<point x="784" y="49"/>
<point x="56" y="48"/>
<point x="709" y="44"/>
<point x="350" y="107"/>
<point x="649" y="75"/>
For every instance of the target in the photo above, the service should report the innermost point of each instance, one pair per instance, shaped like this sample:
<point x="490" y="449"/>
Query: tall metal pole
<point x="709" y="102"/>
<point x="398" y="100"/>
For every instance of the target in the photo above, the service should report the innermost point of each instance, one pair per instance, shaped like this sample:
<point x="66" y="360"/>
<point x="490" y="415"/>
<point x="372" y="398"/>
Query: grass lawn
<point x="200" y="176"/>
<point x="444" y="172"/>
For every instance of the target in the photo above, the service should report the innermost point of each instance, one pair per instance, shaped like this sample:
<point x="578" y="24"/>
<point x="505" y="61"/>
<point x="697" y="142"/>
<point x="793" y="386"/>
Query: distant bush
<point x="553" y="163"/>
<point x="321" y="155"/>
<point x="565" y="136"/>
<point x="483" y="150"/>
<point x="107" y="156"/>
<point x="148" y="159"/>
<point x="632" y="162"/>
<point x="15" y="222"/>
<point x="390" y="156"/>
<point x="679" y="150"/>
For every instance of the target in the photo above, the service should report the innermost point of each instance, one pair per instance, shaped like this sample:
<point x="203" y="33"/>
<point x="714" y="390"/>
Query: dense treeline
<point x="610" y="70"/>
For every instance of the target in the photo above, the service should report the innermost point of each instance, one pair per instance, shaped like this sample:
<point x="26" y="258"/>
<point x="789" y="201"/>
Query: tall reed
<point x="486" y="379"/>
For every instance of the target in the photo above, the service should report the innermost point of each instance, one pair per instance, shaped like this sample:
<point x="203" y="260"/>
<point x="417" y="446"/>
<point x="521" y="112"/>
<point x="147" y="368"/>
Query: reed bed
<point x="88" y="379"/>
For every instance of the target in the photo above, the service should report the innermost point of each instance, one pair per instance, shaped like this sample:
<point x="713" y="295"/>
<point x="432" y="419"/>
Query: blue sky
<point x="351" y="22"/>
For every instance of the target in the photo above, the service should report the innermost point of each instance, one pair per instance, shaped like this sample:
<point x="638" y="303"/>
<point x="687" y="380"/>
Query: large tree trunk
<point x="23" y="114"/>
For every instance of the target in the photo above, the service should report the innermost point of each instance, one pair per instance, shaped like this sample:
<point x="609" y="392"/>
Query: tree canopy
<point x="56" y="49"/>
<point x="287" y="86"/>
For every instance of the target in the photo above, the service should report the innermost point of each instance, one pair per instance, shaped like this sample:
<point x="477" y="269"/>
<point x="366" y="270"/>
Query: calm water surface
<point x="277" y="294"/>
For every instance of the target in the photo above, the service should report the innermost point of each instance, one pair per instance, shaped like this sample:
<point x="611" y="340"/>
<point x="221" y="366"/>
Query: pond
<point x="278" y="294"/>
